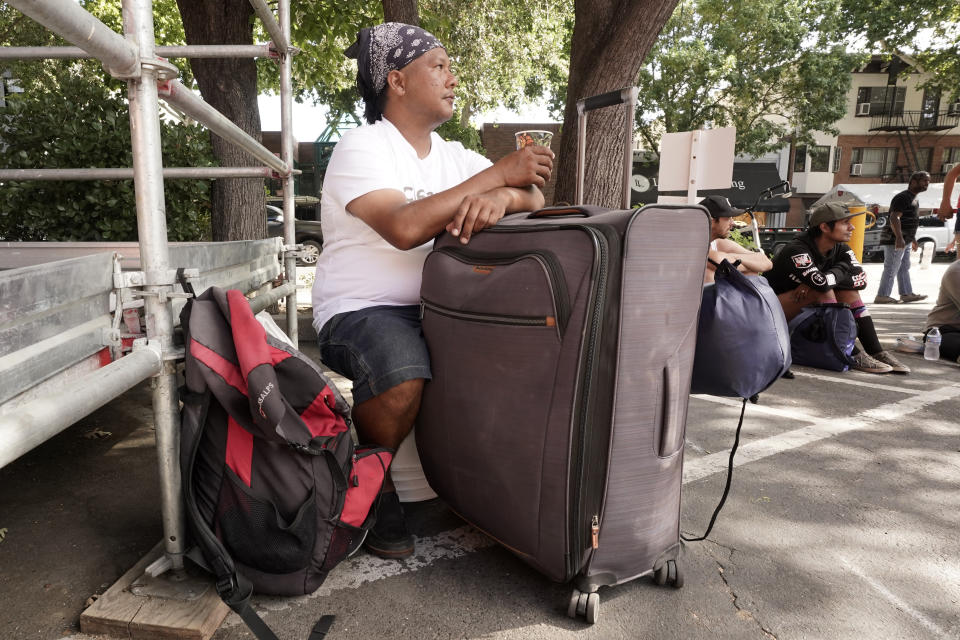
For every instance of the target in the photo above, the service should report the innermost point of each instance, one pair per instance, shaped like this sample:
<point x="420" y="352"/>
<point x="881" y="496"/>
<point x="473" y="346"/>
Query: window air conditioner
<point x="948" y="166"/>
<point x="856" y="169"/>
<point x="863" y="109"/>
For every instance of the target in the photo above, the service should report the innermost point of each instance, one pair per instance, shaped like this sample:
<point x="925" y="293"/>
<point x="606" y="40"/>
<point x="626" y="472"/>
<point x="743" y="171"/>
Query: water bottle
<point x="931" y="348"/>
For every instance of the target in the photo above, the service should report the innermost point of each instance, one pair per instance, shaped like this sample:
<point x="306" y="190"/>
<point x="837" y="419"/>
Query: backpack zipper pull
<point x="595" y="532"/>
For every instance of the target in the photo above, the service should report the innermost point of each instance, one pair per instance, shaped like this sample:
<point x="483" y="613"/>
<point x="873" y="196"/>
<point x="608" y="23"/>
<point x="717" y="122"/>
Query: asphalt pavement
<point x="841" y="523"/>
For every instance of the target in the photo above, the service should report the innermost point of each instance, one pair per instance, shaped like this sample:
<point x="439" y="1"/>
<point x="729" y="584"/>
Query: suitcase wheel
<point x="584" y="604"/>
<point x="671" y="572"/>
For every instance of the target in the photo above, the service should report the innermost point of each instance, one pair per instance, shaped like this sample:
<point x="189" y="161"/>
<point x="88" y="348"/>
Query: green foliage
<point x="742" y="239"/>
<point x="468" y="136"/>
<point x="71" y="116"/>
<point x="505" y="53"/>
<point x="764" y="66"/>
<point x="927" y="30"/>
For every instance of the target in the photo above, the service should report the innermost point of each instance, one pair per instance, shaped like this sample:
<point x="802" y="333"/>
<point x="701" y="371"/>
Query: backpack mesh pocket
<point x="258" y="535"/>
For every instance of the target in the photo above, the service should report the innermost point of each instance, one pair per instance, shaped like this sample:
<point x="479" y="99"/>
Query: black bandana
<point x="384" y="48"/>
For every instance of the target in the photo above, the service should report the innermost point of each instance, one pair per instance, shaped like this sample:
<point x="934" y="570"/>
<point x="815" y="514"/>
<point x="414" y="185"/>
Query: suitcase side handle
<point x="628" y="96"/>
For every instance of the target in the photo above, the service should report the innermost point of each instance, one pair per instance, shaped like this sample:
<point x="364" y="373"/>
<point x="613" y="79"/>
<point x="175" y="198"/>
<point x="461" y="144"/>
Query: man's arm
<point x="946" y="207"/>
<point x="755" y="261"/>
<point x="898" y="241"/>
<point x="476" y="203"/>
<point x="801" y="270"/>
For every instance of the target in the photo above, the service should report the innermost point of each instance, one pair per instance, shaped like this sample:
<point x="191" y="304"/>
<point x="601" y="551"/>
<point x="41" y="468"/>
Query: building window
<point x="800" y="159"/>
<point x="836" y="158"/>
<point x="874" y="161"/>
<point x="819" y="158"/>
<point x="924" y="156"/>
<point x="879" y="99"/>
<point x="951" y="155"/>
<point x="8" y="86"/>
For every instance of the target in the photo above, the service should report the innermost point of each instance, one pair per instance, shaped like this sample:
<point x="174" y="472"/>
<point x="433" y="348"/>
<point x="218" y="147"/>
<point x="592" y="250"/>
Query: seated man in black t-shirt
<point x="817" y="266"/>
<point x="901" y="230"/>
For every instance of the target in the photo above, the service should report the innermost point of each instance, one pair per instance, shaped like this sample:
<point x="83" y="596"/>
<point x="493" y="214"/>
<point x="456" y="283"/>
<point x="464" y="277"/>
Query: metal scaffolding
<point x="134" y="57"/>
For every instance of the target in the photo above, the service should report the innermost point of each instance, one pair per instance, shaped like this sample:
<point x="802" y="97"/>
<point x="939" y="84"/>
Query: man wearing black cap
<point x="390" y="187"/>
<point x="817" y="266"/>
<point x="721" y="221"/>
<point x="901" y="230"/>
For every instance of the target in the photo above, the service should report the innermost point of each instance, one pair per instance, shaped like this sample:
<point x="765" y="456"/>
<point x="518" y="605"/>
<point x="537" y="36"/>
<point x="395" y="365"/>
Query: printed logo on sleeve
<point x="802" y="260"/>
<point x="860" y="279"/>
<point x="818" y="279"/>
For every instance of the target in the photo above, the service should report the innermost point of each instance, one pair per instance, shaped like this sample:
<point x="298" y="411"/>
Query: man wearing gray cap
<point x="391" y="186"/>
<point x="817" y="266"/>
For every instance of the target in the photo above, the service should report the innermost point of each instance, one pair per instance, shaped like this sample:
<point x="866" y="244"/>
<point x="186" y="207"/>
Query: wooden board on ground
<point x="120" y="613"/>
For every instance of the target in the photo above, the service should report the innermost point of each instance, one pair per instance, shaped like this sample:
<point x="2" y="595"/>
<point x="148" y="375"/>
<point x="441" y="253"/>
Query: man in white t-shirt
<point x="391" y="186"/>
<point x="721" y="247"/>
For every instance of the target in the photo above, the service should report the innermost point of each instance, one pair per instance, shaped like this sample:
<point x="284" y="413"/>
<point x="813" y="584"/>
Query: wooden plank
<point x="120" y="613"/>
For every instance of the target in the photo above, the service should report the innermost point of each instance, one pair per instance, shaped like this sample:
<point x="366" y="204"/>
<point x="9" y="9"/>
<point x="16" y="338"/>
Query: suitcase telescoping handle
<point x="626" y="96"/>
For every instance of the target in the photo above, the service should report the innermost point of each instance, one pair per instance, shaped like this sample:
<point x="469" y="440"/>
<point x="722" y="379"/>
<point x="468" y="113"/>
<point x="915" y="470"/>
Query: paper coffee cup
<point x="533" y="136"/>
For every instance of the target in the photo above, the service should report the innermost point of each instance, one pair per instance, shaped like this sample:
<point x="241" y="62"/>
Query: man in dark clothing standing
<point x="901" y="230"/>
<point x="817" y="266"/>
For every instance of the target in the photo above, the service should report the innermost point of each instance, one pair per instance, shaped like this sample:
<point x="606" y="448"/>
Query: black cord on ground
<point x="726" y="489"/>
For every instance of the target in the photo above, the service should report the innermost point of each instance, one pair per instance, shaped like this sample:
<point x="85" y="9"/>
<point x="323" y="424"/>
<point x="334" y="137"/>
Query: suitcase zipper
<point x="525" y="321"/>
<point x="545" y="258"/>
<point x="578" y="522"/>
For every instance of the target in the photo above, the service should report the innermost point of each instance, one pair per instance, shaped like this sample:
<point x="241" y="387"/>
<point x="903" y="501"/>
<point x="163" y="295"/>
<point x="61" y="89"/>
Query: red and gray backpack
<point x="276" y="493"/>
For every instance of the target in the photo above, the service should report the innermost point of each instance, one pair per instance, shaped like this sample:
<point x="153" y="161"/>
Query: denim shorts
<point x="377" y="348"/>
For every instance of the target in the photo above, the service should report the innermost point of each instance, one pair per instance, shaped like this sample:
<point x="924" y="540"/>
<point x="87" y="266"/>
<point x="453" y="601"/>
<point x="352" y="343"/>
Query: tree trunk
<point x="230" y="86"/>
<point x="610" y="40"/>
<point x="401" y="11"/>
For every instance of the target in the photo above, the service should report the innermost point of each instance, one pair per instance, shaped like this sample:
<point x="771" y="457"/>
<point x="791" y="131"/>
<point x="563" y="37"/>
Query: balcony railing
<point x="915" y="121"/>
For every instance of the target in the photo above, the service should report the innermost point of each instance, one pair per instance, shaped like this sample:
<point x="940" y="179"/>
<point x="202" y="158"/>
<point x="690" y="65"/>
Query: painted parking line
<point x="893" y="599"/>
<point x="845" y="378"/>
<point x="700" y="468"/>
<point x="364" y="568"/>
<point x="790" y="414"/>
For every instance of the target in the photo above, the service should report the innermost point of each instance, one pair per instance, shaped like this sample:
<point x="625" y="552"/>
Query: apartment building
<point x="892" y="128"/>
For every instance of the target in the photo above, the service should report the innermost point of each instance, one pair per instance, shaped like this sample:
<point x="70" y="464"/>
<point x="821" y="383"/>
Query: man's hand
<point x="800" y="293"/>
<point x="945" y="211"/>
<point x="531" y="165"/>
<point x="914" y="246"/>
<point x="477" y="212"/>
<point x="899" y="243"/>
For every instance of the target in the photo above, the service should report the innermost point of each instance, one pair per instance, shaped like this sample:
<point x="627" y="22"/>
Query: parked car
<point x="306" y="233"/>
<point x="933" y="235"/>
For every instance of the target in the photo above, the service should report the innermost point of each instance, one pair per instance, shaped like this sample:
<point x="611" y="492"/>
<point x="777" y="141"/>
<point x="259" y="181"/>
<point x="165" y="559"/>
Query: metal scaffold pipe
<point x="174" y="93"/>
<point x="37" y="421"/>
<point x="169" y="173"/>
<point x="188" y="51"/>
<point x="155" y="261"/>
<point x="286" y="153"/>
<point x="277" y="33"/>
<point x="71" y="21"/>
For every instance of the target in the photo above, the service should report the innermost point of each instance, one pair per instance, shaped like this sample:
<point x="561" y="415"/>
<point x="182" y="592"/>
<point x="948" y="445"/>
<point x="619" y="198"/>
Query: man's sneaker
<point x="864" y="362"/>
<point x="885" y="300"/>
<point x="389" y="537"/>
<point x="912" y="297"/>
<point x="887" y="358"/>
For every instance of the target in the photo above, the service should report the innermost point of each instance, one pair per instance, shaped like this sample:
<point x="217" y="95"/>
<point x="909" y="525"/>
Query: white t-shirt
<point x="357" y="267"/>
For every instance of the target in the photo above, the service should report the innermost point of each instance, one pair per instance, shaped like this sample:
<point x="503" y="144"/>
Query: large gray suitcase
<point x="562" y="346"/>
